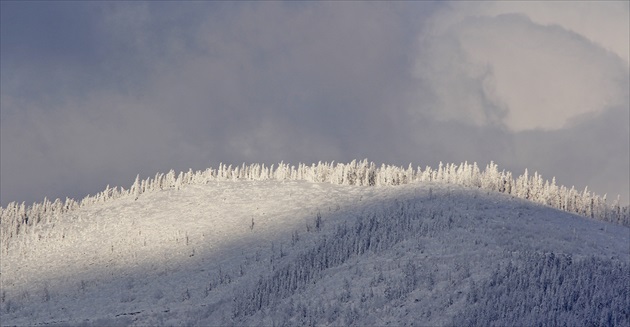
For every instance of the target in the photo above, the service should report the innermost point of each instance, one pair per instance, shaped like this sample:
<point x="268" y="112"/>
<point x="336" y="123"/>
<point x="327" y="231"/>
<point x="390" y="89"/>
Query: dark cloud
<point x="594" y="147"/>
<point x="114" y="89"/>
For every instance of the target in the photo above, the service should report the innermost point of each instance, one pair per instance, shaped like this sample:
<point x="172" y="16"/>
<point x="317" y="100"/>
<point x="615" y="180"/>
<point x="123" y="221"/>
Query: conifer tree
<point x="135" y="188"/>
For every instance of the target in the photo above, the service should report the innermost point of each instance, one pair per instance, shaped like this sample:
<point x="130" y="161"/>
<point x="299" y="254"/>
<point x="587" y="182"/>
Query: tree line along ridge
<point x="17" y="218"/>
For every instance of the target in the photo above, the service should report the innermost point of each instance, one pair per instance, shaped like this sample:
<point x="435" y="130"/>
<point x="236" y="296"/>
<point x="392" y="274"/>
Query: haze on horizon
<point x="93" y="93"/>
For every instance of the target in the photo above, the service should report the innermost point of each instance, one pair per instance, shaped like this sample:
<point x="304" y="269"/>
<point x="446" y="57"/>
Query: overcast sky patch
<point x="95" y="93"/>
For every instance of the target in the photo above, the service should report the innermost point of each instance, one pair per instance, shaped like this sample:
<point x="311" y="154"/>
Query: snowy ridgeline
<point x="16" y="217"/>
<point x="297" y="253"/>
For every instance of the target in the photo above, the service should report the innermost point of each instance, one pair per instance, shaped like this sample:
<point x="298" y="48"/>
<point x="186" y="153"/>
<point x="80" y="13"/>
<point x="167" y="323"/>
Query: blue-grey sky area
<point x="93" y="93"/>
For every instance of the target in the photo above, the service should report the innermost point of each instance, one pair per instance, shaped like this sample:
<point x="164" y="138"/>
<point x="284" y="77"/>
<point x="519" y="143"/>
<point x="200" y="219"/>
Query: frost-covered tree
<point x="136" y="188"/>
<point x="17" y="218"/>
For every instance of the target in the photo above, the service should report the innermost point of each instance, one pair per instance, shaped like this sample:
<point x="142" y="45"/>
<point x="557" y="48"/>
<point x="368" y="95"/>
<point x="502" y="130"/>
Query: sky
<point x="94" y="93"/>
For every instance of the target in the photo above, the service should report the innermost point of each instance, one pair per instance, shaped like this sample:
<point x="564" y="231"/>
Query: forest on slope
<point x="17" y="216"/>
<point x="346" y="244"/>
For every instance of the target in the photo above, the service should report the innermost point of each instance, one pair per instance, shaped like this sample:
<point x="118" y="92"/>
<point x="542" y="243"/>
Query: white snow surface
<point x="195" y="256"/>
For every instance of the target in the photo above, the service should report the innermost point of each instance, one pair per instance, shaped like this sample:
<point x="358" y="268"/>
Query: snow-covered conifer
<point x="135" y="188"/>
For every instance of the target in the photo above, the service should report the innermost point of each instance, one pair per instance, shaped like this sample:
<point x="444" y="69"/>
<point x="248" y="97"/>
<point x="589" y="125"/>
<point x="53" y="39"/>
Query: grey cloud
<point x="544" y="96"/>
<point x="192" y="85"/>
<point x="593" y="147"/>
<point x="603" y="23"/>
<point x="257" y="82"/>
<point x="326" y="70"/>
<point x="507" y="68"/>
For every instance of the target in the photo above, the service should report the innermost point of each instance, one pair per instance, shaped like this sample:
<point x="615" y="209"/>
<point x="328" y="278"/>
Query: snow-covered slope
<point x="296" y="252"/>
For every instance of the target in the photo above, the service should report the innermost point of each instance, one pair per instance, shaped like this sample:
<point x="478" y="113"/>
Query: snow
<point x="196" y="255"/>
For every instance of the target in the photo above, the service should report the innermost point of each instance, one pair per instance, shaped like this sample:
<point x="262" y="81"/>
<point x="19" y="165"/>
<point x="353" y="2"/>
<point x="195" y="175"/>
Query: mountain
<point x="349" y="244"/>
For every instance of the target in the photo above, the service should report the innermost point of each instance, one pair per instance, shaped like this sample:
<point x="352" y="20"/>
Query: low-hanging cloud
<point x="147" y="87"/>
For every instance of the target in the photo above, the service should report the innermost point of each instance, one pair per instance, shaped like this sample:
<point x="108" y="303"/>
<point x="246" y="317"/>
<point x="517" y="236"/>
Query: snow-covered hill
<point x="228" y="249"/>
